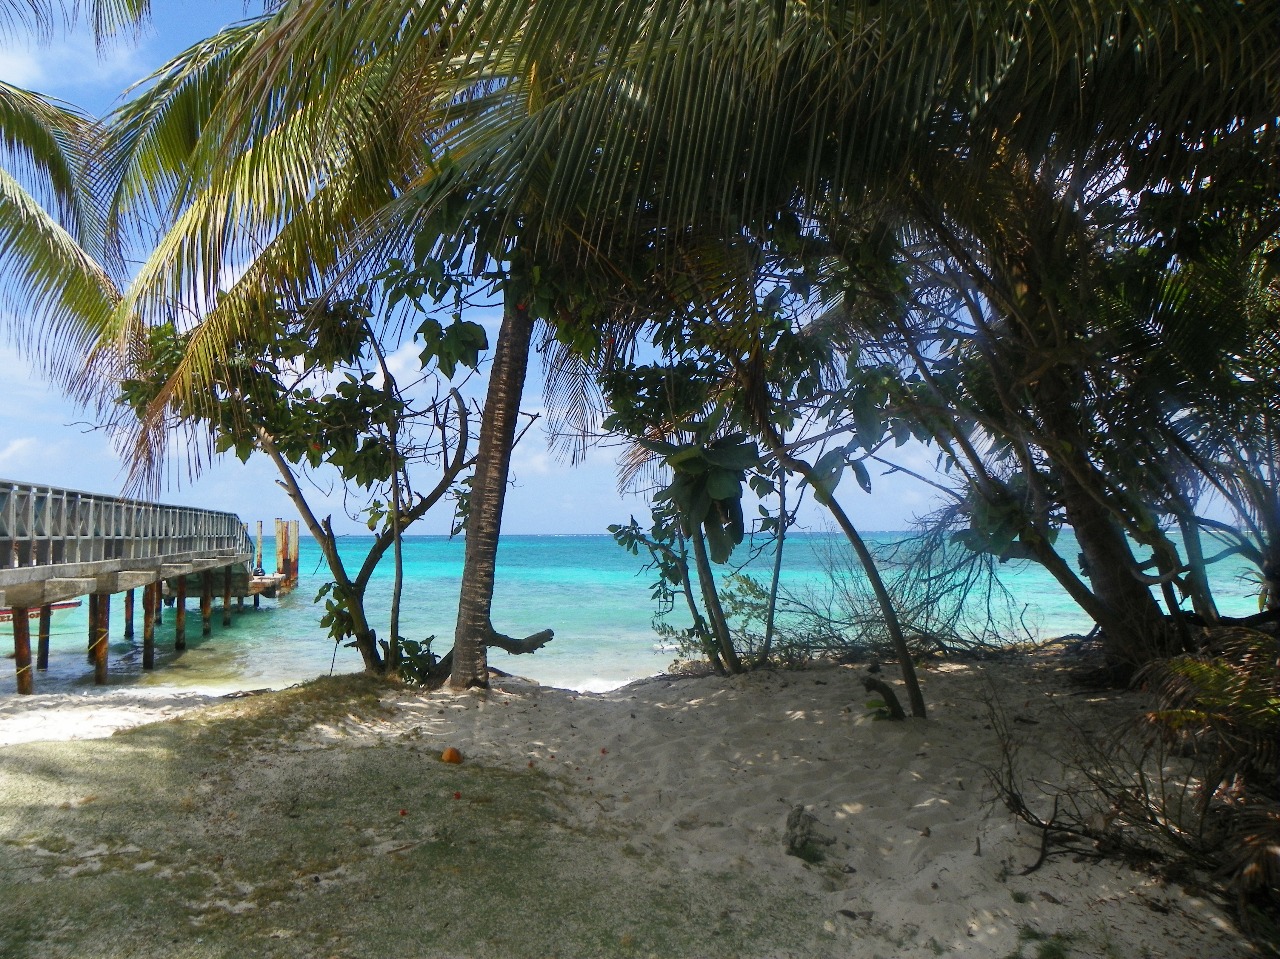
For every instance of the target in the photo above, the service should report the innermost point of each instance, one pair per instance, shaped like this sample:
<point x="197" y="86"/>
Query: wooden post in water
<point x="279" y="545"/>
<point x="257" y="553"/>
<point x="179" y="614"/>
<point x="294" y="536"/>
<point x="128" y="614"/>
<point x="42" y="647"/>
<point x="150" y="600"/>
<point x="100" y="637"/>
<point x="22" y="650"/>
<point x="93" y="622"/>
<point x="226" y="596"/>
<point x="206" y="603"/>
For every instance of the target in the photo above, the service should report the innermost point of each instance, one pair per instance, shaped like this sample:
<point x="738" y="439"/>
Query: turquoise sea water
<point x="589" y="590"/>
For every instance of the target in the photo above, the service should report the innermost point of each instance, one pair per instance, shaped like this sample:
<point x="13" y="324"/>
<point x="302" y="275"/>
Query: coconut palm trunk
<point x="474" y="633"/>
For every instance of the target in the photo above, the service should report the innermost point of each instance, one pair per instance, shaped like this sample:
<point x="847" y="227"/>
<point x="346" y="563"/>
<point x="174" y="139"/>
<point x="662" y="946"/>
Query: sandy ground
<point x="89" y="715"/>
<point x="669" y="788"/>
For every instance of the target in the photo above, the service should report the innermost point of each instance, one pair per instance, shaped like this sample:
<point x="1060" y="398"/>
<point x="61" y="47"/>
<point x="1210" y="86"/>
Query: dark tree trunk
<point x="766" y="646"/>
<point x="1134" y="628"/>
<point x="1271" y="574"/>
<point x="711" y="599"/>
<point x="475" y="632"/>
<point x="366" y="641"/>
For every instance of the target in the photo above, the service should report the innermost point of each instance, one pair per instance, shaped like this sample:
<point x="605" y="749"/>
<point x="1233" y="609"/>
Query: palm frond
<point x="59" y="299"/>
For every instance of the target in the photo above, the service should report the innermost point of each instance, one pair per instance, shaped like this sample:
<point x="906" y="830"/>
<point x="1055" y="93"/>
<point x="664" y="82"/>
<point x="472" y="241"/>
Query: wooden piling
<point x="100" y="643"/>
<point x="257" y="552"/>
<point x="206" y="603"/>
<point x="180" y="614"/>
<point x="22" y="650"/>
<point x="257" y="601"/>
<point x="128" y="614"/>
<point x="42" y="643"/>
<point x="150" y="600"/>
<point x="226" y="596"/>
<point x="279" y="545"/>
<point x="93" y="623"/>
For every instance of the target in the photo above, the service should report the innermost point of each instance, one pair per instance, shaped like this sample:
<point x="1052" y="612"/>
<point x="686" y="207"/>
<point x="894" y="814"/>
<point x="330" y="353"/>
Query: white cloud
<point x="533" y="462"/>
<point x="16" y="454"/>
<point x="72" y="67"/>
<point x="403" y="363"/>
<point x="21" y="68"/>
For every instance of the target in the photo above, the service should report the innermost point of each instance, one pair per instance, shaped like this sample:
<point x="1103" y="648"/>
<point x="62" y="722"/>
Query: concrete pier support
<point x="206" y="603"/>
<point x="101" y="632"/>
<point x="128" y="614"/>
<point x="180" y="615"/>
<point x="22" y="650"/>
<point x="42" y="642"/>
<point x="150" y="600"/>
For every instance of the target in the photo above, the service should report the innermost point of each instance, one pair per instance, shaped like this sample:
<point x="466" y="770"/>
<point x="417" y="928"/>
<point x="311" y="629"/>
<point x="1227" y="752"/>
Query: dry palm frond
<point x="1253" y="850"/>
<point x="1224" y="704"/>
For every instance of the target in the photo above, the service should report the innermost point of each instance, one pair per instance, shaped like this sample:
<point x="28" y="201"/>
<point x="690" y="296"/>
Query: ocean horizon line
<point x="606" y="535"/>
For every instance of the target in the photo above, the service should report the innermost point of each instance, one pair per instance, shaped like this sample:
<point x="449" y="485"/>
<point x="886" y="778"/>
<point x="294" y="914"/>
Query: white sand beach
<point x="91" y="714"/>
<point x="911" y="854"/>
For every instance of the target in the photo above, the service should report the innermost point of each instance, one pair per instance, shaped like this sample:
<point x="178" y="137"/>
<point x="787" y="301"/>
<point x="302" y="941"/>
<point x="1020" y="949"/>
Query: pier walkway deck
<point x="59" y="544"/>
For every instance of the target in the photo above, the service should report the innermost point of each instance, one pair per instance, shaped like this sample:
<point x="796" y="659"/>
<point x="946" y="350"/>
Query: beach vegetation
<point x="1045" y="945"/>
<point x="1121" y="453"/>
<point x="743" y="365"/>
<point x="668" y="551"/>
<point x="312" y="389"/>
<point x="971" y="260"/>
<point x="1068" y="297"/>
<point x="687" y="441"/>
<point x="1187" y="785"/>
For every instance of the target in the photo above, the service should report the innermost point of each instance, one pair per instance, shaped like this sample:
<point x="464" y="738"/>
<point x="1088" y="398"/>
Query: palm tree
<point x="107" y="18"/>
<point x="51" y="236"/>
<point x="292" y="198"/>
<point x="56" y="288"/>
<point x="326" y="128"/>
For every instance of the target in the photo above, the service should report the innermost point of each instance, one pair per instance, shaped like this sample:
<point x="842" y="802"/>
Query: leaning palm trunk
<point x="867" y="560"/>
<point x="728" y="656"/>
<point x="475" y="632"/>
<point x="766" y="646"/>
<point x="1134" y="628"/>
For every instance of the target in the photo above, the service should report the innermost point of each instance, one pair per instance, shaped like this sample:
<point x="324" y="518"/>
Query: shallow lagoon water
<point x="594" y="595"/>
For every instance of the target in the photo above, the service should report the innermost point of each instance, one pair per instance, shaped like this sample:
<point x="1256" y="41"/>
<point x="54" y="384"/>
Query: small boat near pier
<point x="6" y="614"/>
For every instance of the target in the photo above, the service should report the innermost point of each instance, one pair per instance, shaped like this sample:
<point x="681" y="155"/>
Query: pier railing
<point x="48" y="533"/>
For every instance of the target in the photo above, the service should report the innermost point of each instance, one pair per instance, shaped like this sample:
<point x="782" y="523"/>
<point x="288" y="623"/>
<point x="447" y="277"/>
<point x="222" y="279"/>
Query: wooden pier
<point x="59" y="544"/>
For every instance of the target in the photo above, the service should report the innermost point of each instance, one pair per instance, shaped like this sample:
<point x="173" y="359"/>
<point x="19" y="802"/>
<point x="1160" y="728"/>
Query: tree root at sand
<point x="495" y="640"/>
<point x="878" y="686"/>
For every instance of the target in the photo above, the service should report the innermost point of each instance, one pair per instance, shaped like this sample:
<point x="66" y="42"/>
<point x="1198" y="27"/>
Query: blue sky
<point x="45" y="439"/>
